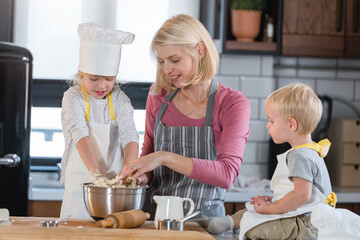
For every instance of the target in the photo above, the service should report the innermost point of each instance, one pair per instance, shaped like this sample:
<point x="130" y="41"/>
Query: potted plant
<point x="246" y="18"/>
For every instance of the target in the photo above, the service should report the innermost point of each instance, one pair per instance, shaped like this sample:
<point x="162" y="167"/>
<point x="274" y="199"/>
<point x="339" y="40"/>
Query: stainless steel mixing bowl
<point x="102" y="201"/>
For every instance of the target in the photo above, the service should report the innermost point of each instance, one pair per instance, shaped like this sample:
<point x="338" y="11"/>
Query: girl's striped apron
<point x="193" y="142"/>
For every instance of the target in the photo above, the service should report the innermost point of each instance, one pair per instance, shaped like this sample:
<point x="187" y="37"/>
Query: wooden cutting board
<point x="29" y="228"/>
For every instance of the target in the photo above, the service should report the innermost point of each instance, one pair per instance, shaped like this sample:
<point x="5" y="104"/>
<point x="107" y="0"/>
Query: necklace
<point x="197" y="105"/>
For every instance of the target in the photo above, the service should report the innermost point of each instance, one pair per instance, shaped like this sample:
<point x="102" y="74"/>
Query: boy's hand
<point x="262" y="206"/>
<point x="265" y="198"/>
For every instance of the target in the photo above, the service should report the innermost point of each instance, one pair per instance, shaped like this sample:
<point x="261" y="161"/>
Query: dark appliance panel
<point x="15" y="105"/>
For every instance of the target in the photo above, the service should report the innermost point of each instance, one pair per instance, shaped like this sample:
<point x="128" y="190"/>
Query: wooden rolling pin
<point x="125" y="219"/>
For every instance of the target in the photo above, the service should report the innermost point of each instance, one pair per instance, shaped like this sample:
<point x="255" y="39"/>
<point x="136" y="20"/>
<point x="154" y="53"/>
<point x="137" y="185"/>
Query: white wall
<point x="257" y="76"/>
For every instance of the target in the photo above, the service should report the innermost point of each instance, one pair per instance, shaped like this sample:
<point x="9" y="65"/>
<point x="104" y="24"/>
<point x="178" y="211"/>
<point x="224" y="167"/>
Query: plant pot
<point x="245" y="24"/>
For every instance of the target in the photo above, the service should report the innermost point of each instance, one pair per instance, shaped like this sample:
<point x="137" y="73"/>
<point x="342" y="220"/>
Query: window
<point x="48" y="30"/>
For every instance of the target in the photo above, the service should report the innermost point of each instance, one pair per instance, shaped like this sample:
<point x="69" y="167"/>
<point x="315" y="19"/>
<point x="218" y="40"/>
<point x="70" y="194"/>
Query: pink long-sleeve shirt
<point x="230" y="125"/>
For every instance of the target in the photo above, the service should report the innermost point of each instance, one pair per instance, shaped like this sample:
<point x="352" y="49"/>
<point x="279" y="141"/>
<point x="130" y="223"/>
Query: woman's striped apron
<point x="193" y="142"/>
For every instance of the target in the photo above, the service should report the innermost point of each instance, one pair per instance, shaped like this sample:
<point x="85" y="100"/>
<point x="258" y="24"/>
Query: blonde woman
<point x="196" y="129"/>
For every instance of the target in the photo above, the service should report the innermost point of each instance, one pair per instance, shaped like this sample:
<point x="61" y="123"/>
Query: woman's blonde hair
<point x="300" y="102"/>
<point x="184" y="30"/>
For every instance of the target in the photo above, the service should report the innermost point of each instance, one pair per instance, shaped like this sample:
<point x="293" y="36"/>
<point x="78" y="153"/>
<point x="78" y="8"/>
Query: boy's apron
<point x="105" y="140"/>
<point x="281" y="185"/>
<point x="193" y="142"/>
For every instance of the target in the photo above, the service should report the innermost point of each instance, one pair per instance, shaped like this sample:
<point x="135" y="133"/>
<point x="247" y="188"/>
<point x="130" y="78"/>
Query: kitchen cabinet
<point x="230" y="45"/>
<point x="321" y="28"/>
<point x="343" y="160"/>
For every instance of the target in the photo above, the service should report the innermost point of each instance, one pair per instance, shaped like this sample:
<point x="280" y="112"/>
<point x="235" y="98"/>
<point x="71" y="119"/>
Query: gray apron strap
<point x="210" y="104"/>
<point x="165" y="104"/>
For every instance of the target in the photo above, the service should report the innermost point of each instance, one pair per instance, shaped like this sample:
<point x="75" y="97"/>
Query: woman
<point x="196" y="129"/>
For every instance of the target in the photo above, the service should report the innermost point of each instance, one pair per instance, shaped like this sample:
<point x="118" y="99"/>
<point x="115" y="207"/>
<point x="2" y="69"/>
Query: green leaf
<point x="256" y="5"/>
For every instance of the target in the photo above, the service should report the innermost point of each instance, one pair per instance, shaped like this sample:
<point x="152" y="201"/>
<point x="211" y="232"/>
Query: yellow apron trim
<point x="321" y="147"/>
<point x="331" y="199"/>
<point x="87" y="109"/>
<point x="111" y="106"/>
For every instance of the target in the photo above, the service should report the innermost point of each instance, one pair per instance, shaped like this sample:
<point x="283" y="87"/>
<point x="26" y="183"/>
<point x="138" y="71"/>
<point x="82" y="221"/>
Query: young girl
<point x="97" y="117"/>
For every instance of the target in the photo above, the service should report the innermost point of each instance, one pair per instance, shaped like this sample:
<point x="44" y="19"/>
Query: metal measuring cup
<point x="52" y="223"/>
<point x="174" y="224"/>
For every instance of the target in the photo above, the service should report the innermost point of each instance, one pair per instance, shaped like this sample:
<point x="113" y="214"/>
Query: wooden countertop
<point x="29" y="228"/>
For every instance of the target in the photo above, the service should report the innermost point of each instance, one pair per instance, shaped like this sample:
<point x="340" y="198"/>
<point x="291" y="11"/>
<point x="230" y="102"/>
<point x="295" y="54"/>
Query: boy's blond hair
<point x="186" y="31"/>
<point x="300" y="102"/>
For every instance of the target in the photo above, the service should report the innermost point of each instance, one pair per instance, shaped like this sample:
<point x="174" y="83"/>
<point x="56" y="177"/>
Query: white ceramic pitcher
<point x="171" y="207"/>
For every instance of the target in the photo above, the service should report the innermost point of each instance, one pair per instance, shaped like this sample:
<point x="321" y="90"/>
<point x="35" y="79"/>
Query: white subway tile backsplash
<point x="250" y="152"/>
<point x="254" y="108"/>
<point x="258" y="131"/>
<point x="286" y="72"/>
<point x="254" y="170"/>
<point x="288" y="61"/>
<point x="340" y="88"/>
<point x="257" y="86"/>
<point x="319" y="73"/>
<point x="317" y="62"/>
<point x="240" y="64"/>
<point x="263" y="152"/>
<point x="350" y="63"/>
<point x="229" y="81"/>
<point x="267" y="68"/>
<point x="256" y="77"/>
<point x="262" y="110"/>
<point x="351" y="74"/>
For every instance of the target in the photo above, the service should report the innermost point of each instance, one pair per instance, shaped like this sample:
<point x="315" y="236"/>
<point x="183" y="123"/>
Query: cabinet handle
<point x="356" y="16"/>
<point x="357" y="145"/>
<point x="339" y="15"/>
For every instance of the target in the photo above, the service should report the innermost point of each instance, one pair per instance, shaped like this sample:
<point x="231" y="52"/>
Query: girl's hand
<point x="140" y="166"/>
<point x="95" y="174"/>
<point x="261" y="206"/>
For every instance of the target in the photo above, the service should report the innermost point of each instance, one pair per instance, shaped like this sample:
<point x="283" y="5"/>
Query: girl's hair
<point x="79" y="76"/>
<point x="186" y="31"/>
<point x="300" y="102"/>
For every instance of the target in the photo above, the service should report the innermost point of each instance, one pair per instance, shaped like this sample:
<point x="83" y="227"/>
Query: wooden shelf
<point x="251" y="46"/>
<point x="228" y="42"/>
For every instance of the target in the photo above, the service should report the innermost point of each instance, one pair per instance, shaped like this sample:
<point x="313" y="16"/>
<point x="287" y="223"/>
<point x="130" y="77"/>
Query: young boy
<point x="300" y="181"/>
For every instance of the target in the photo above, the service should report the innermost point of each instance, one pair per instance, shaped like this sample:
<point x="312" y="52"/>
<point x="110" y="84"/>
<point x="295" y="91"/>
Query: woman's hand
<point x="140" y="166"/>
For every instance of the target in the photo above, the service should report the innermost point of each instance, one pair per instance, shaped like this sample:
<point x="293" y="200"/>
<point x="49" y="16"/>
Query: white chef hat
<point x="100" y="49"/>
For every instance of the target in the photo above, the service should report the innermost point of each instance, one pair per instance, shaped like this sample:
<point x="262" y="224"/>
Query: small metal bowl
<point x="170" y="224"/>
<point x="48" y="223"/>
<point x="53" y="223"/>
<point x="175" y="224"/>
